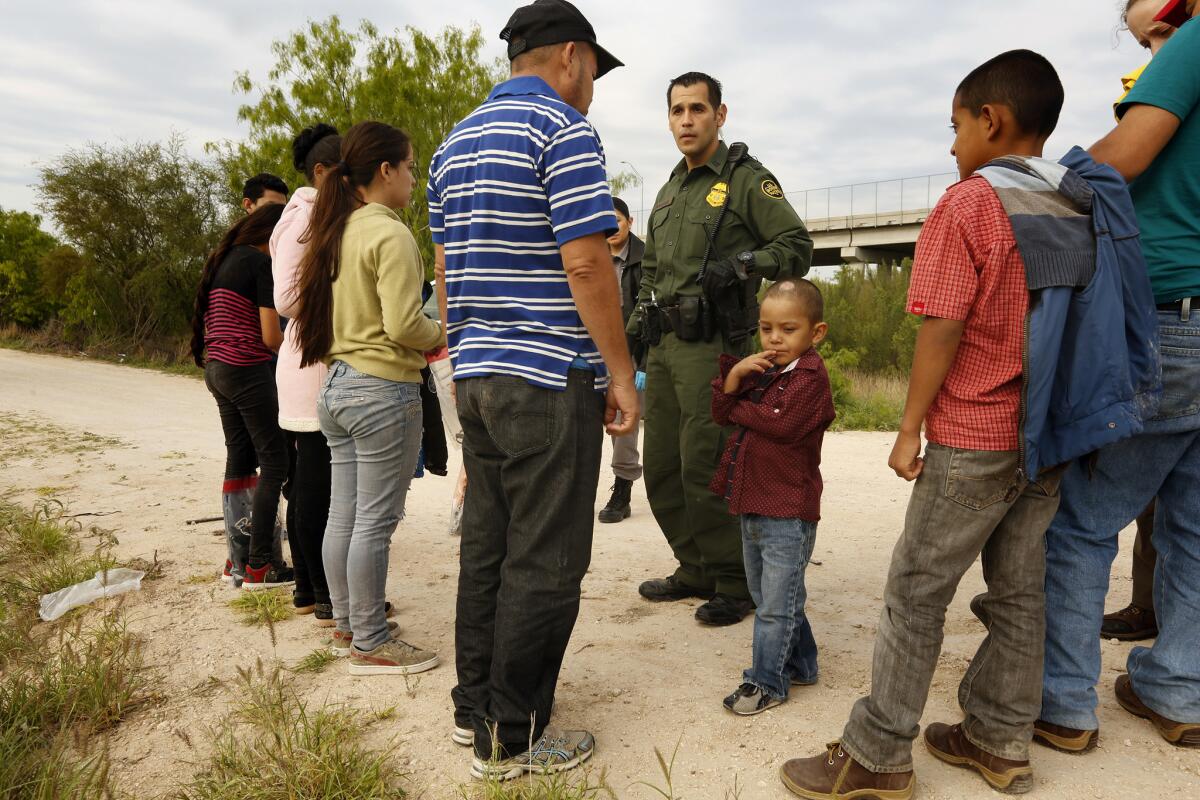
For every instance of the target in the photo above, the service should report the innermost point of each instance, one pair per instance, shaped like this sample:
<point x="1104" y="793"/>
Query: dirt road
<point x="147" y="447"/>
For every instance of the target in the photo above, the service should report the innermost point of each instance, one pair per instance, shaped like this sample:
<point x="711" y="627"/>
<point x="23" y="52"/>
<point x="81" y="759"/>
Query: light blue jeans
<point x="373" y="427"/>
<point x="777" y="552"/>
<point x="1082" y="541"/>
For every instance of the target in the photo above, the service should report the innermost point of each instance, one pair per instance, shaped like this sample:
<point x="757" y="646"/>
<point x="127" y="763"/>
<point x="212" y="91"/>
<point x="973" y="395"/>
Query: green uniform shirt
<point x="1167" y="195"/>
<point x="759" y="219"/>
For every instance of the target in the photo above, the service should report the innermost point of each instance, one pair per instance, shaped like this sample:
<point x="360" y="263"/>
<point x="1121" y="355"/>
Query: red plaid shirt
<point x="967" y="267"/>
<point x="772" y="460"/>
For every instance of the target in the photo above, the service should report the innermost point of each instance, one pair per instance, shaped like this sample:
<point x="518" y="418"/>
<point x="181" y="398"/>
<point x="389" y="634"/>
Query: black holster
<point x="737" y="311"/>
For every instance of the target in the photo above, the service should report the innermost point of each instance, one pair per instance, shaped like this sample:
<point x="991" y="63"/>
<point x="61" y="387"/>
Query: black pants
<point x="249" y="409"/>
<point x="533" y="457"/>
<point x="308" y="511"/>
<point x="433" y="436"/>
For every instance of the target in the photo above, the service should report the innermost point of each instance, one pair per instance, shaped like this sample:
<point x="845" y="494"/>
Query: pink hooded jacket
<point x="297" y="387"/>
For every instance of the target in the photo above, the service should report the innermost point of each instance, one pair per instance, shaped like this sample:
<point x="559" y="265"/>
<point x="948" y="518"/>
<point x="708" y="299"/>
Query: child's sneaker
<point x="268" y="576"/>
<point x="340" y="645"/>
<point x="393" y="657"/>
<point x="464" y="737"/>
<point x="231" y="575"/>
<point x="749" y="700"/>
<point x="556" y="751"/>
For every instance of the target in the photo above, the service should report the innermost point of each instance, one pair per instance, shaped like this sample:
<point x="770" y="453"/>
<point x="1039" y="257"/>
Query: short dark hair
<point x="621" y="207"/>
<point x="1020" y="79"/>
<point x="691" y="79"/>
<point x="263" y="182"/>
<point x="801" y="291"/>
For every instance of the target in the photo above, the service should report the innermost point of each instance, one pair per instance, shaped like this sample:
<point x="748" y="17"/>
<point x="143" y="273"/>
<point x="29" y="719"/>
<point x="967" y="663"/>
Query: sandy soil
<point x="638" y="675"/>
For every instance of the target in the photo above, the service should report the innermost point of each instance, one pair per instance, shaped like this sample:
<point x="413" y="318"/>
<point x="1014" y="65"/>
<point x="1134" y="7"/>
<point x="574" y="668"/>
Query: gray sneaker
<point x="393" y="657"/>
<point x="556" y="751"/>
<point x="749" y="700"/>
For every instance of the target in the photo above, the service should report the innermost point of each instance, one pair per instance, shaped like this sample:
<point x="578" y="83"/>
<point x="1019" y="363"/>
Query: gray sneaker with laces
<point x="556" y="751"/>
<point x="393" y="657"/>
<point x="749" y="700"/>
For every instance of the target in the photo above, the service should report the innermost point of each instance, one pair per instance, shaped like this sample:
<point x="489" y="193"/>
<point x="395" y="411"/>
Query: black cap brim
<point x="606" y="62"/>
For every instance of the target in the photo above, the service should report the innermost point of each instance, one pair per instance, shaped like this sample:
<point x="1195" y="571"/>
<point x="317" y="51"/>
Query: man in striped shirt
<point x="520" y="209"/>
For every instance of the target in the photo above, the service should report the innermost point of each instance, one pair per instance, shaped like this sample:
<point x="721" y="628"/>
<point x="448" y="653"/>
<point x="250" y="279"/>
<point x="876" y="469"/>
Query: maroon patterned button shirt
<point x="772" y="461"/>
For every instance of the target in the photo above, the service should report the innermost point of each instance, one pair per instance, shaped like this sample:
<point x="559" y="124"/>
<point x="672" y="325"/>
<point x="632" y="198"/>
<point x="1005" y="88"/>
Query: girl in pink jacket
<point x="314" y="151"/>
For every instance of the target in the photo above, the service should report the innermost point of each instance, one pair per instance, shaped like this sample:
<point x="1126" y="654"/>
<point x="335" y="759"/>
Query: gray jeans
<point x="964" y="504"/>
<point x="626" y="461"/>
<point x="373" y="427"/>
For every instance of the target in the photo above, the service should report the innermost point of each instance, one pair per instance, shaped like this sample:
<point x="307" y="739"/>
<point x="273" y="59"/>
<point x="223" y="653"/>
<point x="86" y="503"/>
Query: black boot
<point x="724" y="609"/>
<point x="618" y="505"/>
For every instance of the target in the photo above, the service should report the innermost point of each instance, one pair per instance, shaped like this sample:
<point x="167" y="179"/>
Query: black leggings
<point x="249" y="407"/>
<point x="308" y="511"/>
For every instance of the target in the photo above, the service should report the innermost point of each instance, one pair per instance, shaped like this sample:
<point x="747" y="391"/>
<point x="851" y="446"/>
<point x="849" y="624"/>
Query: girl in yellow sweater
<point x="360" y="313"/>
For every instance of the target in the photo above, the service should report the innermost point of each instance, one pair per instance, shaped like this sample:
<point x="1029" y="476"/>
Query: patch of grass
<point x="316" y="661"/>
<point x="40" y="552"/>
<point x="198" y="579"/>
<point x="864" y="401"/>
<point x="577" y="784"/>
<point x="27" y="436"/>
<point x="276" y="747"/>
<point x="64" y="683"/>
<point x="262" y="607"/>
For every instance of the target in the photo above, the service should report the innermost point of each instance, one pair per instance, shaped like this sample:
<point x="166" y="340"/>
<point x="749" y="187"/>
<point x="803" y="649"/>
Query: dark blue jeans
<point x="532" y="457"/>
<point x="776" y="552"/>
<point x="1082" y="541"/>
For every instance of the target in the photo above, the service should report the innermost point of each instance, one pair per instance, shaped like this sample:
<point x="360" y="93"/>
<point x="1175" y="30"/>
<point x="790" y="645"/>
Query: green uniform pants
<point x="681" y="449"/>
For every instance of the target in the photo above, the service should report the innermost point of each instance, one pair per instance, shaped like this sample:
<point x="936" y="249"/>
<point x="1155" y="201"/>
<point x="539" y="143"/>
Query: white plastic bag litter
<point x="110" y="584"/>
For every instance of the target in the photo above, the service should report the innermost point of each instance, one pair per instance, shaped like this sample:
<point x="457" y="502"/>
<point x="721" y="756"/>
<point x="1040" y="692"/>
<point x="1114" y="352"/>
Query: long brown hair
<point x="365" y="147"/>
<point x="253" y="230"/>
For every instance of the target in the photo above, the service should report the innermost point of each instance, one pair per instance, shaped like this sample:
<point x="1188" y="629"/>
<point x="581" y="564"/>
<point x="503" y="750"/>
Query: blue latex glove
<point x="639" y="381"/>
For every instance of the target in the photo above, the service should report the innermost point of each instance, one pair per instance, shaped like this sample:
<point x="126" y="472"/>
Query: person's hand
<point x="719" y="276"/>
<point x="621" y="414"/>
<point x="639" y="381"/>
<point x="905" y="459"/>
<point x="756" y="364"/>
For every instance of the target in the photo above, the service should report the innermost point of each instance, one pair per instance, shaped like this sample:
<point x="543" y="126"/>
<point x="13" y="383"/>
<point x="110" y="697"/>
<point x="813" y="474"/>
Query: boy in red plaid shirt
<point x="970" y="498"/>
<point x="780" y="402"/>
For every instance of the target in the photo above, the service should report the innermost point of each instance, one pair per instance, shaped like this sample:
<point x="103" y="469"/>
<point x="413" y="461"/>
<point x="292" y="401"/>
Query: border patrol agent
<point x="718" y="227"/>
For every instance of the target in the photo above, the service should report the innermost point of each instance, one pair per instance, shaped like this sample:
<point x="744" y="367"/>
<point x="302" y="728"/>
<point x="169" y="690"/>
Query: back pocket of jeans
<point x="518" y="416"/>
<point x="977" y="488"/>
<point x="1181" y="380"/>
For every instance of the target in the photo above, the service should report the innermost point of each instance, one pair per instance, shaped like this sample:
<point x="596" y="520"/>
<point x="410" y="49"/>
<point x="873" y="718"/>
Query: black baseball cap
<point x="546" y="22"/>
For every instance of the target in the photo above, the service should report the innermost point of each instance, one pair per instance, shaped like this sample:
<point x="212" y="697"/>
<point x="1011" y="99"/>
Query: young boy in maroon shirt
<point x="780" y="402"/>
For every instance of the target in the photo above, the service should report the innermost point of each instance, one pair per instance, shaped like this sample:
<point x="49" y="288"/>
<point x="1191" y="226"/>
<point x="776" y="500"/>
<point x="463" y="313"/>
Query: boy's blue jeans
<point x="776" y="552"/>
<point x="1082" y="541"/>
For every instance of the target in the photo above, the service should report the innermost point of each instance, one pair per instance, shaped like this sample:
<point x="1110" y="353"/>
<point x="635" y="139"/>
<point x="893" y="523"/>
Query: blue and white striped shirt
<point x="522" y="175"/>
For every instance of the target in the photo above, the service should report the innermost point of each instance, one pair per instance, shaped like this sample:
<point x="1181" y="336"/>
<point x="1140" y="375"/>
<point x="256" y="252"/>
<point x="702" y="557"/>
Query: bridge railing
<point x="899" y="201"/>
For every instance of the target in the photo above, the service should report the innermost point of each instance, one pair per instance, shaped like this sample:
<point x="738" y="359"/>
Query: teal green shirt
<point x="1167" y="195"/>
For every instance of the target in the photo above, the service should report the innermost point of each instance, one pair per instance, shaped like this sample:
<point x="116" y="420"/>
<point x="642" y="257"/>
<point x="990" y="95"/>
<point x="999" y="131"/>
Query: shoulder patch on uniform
<point x="771" y="189"/>
<point x="716" y="195"/>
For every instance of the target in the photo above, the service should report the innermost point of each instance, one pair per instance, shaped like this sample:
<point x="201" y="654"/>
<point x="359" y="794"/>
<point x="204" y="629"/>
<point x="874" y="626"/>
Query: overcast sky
<point x="825" y="93"/>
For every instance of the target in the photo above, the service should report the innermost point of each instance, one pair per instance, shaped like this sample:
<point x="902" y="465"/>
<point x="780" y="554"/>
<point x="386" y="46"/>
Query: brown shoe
<point x="1063" y="739"/>
<point x="1183" y="734"/>
<point x="1130" y="624"/>
<point x="948" y="743"/>
<point x="834" y="775"/>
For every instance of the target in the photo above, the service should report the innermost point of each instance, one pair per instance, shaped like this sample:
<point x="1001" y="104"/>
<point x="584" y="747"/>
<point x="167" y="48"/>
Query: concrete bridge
<point x="862" y="223"/>
<point x="868" y="223"/>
